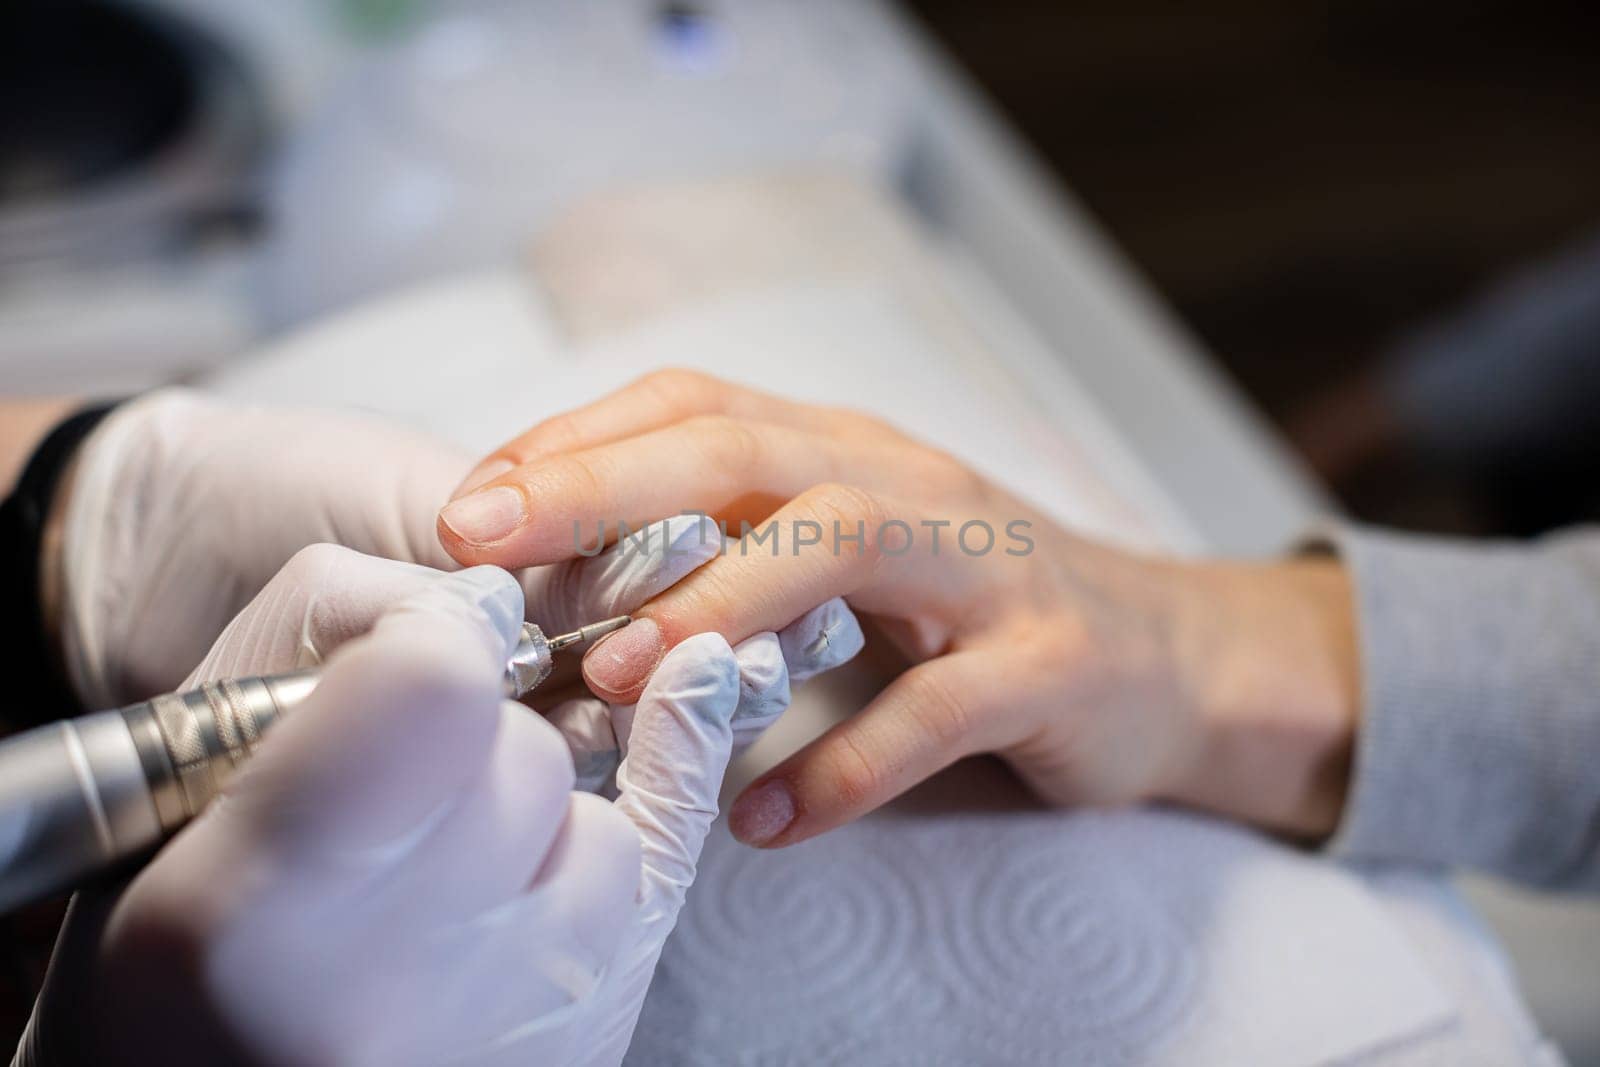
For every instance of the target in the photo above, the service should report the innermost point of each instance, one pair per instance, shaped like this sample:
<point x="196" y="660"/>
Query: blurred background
<point x="1317" y="188"/>
<point x="1381" y="220"/>
<point x="1336" y="198"/>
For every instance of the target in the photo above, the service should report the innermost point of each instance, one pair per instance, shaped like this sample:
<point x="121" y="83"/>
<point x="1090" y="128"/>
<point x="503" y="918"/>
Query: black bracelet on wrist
<point x="28" y="662"/>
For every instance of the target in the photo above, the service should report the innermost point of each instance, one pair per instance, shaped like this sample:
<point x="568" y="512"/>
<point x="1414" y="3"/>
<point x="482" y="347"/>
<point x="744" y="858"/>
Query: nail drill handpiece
<point x="82" y="795"/>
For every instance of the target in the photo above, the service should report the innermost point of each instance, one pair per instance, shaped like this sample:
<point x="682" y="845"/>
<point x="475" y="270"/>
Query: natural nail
<point x="485" y="517"/>
<point x="619" y="664"/>
<point x="486" y="472"/>
<point x="763" y="812"/>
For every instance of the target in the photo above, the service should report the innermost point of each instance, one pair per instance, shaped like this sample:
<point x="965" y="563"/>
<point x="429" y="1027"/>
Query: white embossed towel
<point x="1035" y="938"/>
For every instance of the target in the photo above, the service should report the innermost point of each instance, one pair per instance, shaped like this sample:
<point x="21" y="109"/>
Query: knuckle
<point x="584" y="476"/>
<point x="837" y="500"/>
<point x="559" y="433"/>
<point x="860" y="423"/>
<point x="854" y="777"/>
<point x="1044" y="651"/>
<point x="848" y="505"/>
<point x="947" y="719"/>
<point x="879" y="426"/>
<point x="1070" y="648"/>
<point x="680" y="391"/>
<point x="956" y="477"/>
<point x="312" y="564"/>
<point x="727" y="443"/>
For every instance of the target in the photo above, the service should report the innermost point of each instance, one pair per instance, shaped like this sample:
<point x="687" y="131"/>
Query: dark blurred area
<point x="1312" y="187"/>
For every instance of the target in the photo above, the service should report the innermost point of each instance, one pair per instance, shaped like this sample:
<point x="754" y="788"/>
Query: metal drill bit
<point x="532" y="660"/>
<point x="589" y="633"/>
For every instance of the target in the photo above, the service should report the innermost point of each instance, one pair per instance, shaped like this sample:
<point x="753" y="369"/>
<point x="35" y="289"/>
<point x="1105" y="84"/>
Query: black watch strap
<point x="28" y="662"/>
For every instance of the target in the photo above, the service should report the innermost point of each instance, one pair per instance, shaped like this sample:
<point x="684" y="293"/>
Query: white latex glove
<point x="181" y="508"/>
<point x="820" y="640"/>
<point x="400" y="874"/>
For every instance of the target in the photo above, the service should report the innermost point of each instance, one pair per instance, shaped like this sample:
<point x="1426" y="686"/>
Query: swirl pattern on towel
<point x="954" y="940"/>
<point x="1121" y="938"/>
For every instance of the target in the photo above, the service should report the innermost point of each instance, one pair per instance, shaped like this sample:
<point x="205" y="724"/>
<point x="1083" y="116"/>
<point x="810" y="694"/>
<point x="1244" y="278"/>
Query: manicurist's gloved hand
<point x="402" y="874"/>
<point x="769" y="663"/>
<point x="180" y="508"/>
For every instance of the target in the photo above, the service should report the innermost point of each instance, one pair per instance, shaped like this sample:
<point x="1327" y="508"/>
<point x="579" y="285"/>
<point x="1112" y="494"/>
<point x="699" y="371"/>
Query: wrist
<point x="29" y="523"/>
<point x="1271" y="677"/>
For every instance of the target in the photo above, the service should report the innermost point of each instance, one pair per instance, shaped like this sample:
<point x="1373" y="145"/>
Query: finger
<point x="590" y="877"/>
<point x="491" y="840"/>
<point x="929" y="717"/>
<point x="400" y="723"/>
<point x="831" y="541"/>
<point x="676" y="743"/>
<point x="518" y="968"/>
<point x="770" y="664"/>
<point x="733" y="469"/>
<point x="763" y="687"/>
<point x="564" y="596"/>
<point x="519" y="971"/>
<point x="654" y="401"/>
<point x="585" y="725"/>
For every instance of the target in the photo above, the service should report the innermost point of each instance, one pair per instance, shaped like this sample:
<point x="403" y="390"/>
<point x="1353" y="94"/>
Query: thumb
<point x="675" y="748"/>
<point x="324" y="596"/>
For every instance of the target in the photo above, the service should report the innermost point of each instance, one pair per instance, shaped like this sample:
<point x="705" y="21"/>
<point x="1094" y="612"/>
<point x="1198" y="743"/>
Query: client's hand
<point x="1101" y="676"/>
<point x="401" y="873"/>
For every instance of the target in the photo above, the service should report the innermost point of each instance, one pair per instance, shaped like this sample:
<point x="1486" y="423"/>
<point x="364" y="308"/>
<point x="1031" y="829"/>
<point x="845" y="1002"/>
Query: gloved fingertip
<point x="499" y="595"/>
<point x="763" y="679"/>
<point x="826" y="637"/>
<point x="586" y="726"/>
<point x="693" y="533"/>
<point x="687" y="543"/>
<point x="489" y="597"/>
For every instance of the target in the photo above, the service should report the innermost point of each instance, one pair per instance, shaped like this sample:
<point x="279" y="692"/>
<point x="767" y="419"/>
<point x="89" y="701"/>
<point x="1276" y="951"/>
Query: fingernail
<point x="486" y="472"/>
<point x="763" y="813"/>
<point x="486" y="517"/>
<point x="620" y="663"/>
